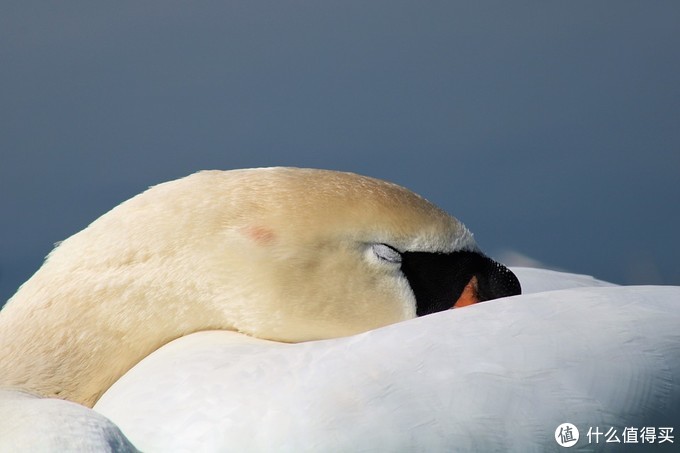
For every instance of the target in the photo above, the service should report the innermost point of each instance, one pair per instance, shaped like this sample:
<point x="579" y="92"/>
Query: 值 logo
<point x="566" y="435"/>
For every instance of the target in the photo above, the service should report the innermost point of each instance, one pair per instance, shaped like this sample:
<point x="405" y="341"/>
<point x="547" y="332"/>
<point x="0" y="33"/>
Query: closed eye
<point x="386" y="253"/>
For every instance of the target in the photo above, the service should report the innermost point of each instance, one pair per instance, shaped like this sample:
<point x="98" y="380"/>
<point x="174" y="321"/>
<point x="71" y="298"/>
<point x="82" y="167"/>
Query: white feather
<point x="498" y="376"/>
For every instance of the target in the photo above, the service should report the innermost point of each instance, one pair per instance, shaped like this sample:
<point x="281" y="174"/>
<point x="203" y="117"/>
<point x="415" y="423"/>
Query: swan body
<point x="31" y="423"/>
<point x="499" y="376"/>
<point x="496" y="376"/>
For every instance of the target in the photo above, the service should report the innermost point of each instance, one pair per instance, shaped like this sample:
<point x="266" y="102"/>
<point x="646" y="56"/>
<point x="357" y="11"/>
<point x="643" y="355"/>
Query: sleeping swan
<point x="279" y="254"/>
<point x="192" y="303"/>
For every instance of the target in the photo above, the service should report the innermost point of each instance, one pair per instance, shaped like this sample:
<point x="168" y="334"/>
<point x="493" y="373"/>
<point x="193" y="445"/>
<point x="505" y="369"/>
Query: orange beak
<point x="469" y="295"/>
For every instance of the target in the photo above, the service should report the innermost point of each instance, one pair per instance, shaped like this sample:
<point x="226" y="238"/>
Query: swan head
<point x="281" y="253"/>
<point x="298" y="254"/>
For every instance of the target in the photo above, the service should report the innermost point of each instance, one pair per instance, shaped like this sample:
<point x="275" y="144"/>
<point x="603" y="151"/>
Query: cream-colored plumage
<point x="280" y="254"/>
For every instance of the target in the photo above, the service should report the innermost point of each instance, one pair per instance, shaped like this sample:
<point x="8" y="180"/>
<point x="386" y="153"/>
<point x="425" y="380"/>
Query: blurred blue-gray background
<point x="552" y="129"/>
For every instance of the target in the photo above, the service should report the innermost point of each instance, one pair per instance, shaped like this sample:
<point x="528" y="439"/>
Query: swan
<point x="167" y="313"/>
<point x="280" y="254"/>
